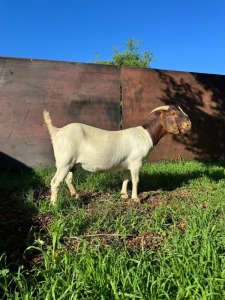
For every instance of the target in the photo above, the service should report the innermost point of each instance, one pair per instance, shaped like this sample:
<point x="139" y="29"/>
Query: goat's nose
<point x="187" y="124"/>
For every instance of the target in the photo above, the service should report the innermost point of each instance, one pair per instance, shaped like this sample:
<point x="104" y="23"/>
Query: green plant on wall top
<point x="130" y="57"/>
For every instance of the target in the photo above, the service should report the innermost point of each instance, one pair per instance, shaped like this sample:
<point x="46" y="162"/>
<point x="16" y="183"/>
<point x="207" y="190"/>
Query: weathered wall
<point x="72" y="92"/>
<point x="90" y="93"/>
<point x="202" y="97"/>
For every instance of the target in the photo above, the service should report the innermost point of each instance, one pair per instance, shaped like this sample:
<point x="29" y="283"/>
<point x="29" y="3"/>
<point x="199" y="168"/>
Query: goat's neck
<point x="155" y="130"/>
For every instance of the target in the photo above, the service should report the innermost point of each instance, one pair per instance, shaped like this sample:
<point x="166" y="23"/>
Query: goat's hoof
<point x="53" y="201"/>
<point x="124" y="196"/>
<point x="77" y="196"/>
<point x="136" y="200"/>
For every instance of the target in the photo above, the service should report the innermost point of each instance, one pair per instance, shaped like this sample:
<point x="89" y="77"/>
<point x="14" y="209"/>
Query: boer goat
<point x="98" y="150"/>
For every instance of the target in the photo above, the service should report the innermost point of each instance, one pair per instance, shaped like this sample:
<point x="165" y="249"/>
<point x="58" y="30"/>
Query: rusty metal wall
<point x="202" y="97"/>
<point x="72" y="92"/>
<point x="90" y="93"/>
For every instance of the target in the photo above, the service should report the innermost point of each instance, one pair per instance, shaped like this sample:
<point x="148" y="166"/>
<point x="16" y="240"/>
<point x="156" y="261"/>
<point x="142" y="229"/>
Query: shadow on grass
<point x="17" y="209"/>
<point x="169" y="181"/>
<point x="92" y="186"/>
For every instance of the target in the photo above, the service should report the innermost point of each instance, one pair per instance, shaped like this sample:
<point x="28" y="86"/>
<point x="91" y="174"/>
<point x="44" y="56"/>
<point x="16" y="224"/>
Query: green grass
<point x="169" y="246"/>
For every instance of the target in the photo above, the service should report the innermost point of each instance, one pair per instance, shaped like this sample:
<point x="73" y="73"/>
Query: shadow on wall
<point x="80" y="111"/>
<point x="9" y="163"/>
<point x="204" y="102"/>
<point x="16" y="211"/>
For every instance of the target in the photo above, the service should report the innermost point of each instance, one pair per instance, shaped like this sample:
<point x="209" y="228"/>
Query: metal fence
<point x="91" y="94"/>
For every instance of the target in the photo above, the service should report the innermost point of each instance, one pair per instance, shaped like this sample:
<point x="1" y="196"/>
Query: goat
<point x="98" y="150"/>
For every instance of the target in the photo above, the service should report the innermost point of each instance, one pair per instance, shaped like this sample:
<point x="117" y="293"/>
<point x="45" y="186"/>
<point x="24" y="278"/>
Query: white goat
<point x="98" y="150"/>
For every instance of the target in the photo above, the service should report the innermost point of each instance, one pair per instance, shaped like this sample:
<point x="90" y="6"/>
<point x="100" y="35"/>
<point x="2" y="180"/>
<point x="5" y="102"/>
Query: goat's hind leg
<point x="56" y="180"/>
<point x="70" y="185"/>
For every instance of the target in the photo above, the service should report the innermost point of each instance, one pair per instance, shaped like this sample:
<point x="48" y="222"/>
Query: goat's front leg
<point x="70" y="185"/>
<point x="135" y="180"/>
<point x="126" y="177"/>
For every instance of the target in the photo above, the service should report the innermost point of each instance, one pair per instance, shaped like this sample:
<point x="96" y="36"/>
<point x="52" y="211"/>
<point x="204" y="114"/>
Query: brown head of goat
<point x="172" y="120"/>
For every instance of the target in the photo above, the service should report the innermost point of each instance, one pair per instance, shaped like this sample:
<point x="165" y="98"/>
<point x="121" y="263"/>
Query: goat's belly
<point x="105" y="168"/>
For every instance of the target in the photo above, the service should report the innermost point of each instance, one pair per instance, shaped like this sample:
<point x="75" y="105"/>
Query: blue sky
<point x="183" y="35"/>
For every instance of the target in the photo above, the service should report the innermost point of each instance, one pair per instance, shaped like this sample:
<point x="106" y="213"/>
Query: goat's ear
<point x="171" y="125"/>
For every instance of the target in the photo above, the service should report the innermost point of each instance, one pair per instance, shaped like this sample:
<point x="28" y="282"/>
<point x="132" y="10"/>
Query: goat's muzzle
<point x="185" y="127"/>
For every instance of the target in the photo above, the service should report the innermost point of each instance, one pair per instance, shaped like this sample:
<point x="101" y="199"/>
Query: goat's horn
<point x="164" y="107"/>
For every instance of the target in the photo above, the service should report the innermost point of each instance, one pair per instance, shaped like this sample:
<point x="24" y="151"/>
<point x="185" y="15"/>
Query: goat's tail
<point x="52" y="129"/>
